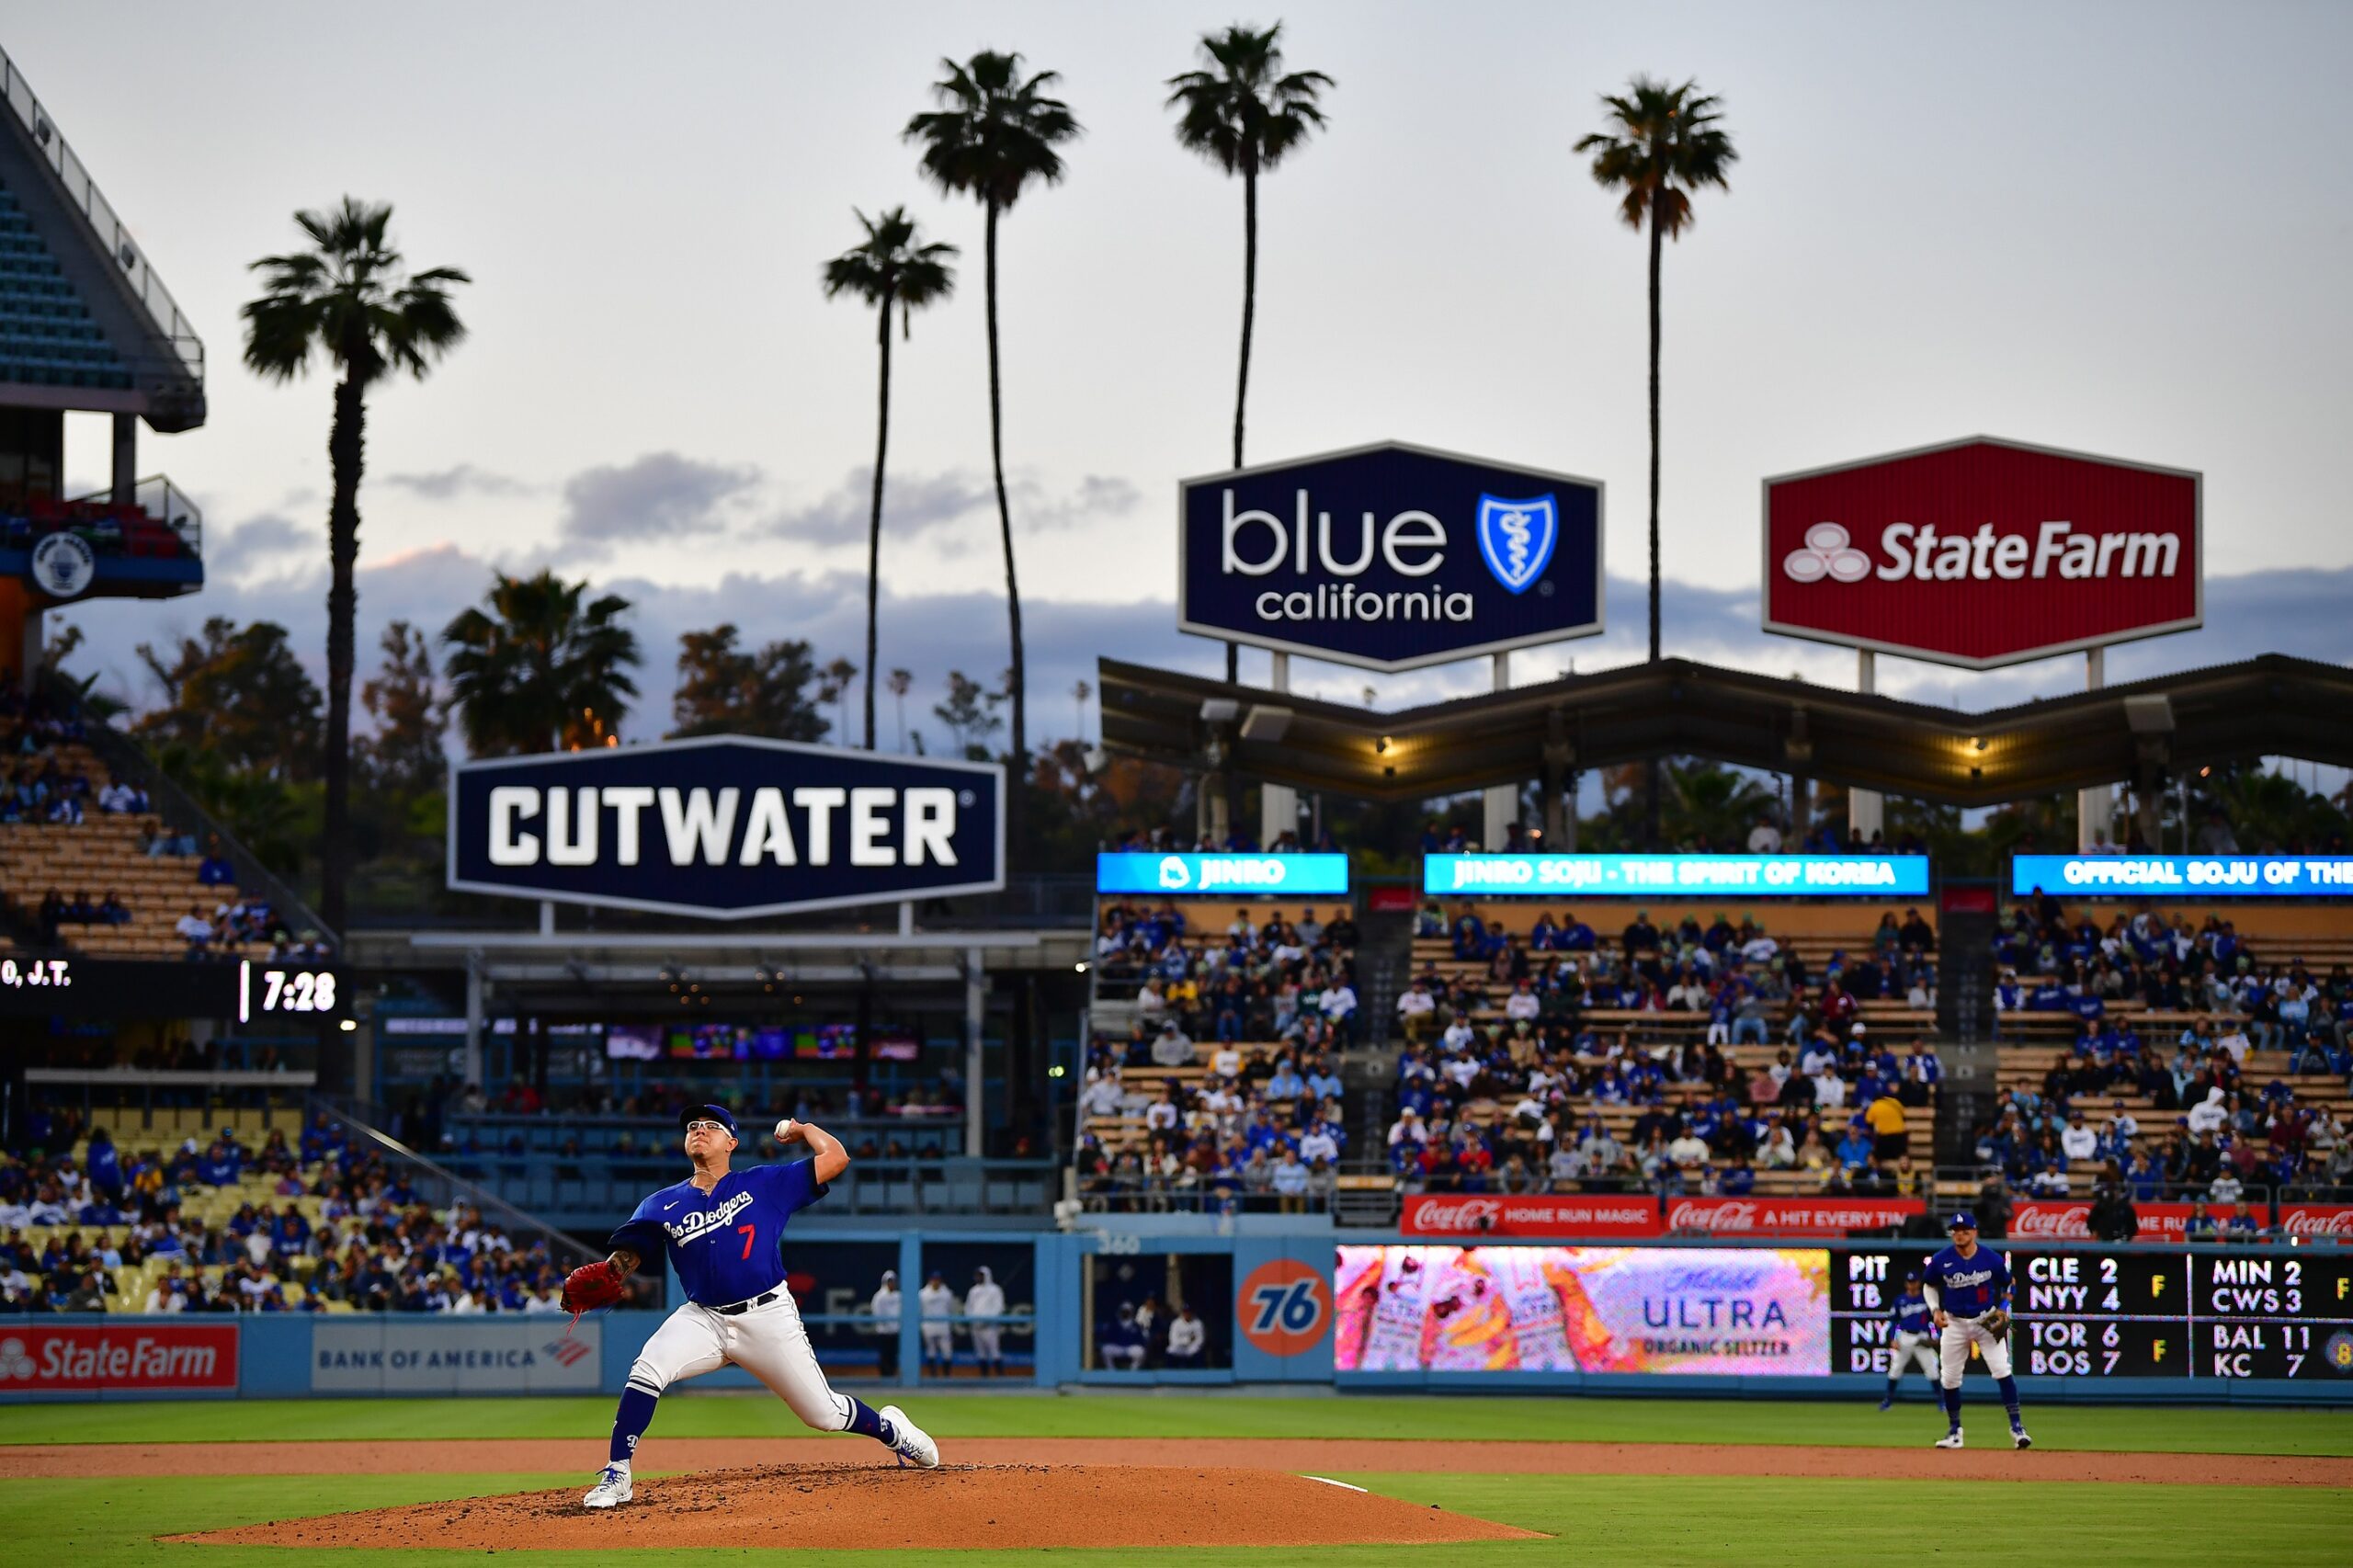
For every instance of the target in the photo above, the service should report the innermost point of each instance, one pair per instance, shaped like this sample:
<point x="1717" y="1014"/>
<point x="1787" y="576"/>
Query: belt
<point x="740" y="1308"/>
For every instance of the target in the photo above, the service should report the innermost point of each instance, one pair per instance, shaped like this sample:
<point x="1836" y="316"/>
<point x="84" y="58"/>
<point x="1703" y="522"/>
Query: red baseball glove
<point x="593" y="1285"/>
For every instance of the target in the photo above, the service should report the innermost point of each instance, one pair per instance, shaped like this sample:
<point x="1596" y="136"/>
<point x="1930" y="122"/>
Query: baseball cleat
<point x="1887" y="1403"/>
<point x="1950" y="1439"/>
<point x="611" y="1490"/>
<point x="2019" y="1440"/>
<point x="914" y="1446"/>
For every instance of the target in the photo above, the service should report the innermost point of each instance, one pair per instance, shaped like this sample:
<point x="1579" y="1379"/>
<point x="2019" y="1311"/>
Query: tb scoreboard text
<point x="2266" y="1312"/>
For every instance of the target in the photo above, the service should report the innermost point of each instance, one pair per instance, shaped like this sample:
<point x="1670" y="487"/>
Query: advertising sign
<point x="402" y="1355"/>
<point x="1508" y="1308"/>
<point x="1984" y="553"/>
<point x="2060" y="1219"/>
<point x="1239" y="876"/>
<point x="37" y="1357"/>
<point x="1468" y="1216"/>
<point x="2207" y="876"/>
<point x="1789" y="1216"/>
<point x="1638" y="876"/>
<point x="2319" y="1222"/>
<point x="1388" y="557"/>
<point x="726" y="828"/>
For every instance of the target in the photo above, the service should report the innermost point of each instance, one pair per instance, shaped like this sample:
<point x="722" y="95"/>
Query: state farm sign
<point x="87" y="1358"/>
<point x="1984" y="553"/>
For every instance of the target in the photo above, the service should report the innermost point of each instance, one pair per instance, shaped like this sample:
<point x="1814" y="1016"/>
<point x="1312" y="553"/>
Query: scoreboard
<point x="2267" y="1312"/>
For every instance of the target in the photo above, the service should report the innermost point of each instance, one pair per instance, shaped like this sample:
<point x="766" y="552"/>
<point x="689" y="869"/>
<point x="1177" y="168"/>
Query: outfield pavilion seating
<point x="105" y="853"/>
<point x="47" y="336"/>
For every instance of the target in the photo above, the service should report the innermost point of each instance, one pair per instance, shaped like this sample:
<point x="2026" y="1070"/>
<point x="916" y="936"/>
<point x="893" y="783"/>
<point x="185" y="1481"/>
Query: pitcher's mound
<point x="852" y="1506"/>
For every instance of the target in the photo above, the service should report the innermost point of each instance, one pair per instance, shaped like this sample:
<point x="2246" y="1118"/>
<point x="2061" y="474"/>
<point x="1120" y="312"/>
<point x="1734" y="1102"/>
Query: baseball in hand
<point x="786" y="1130"/>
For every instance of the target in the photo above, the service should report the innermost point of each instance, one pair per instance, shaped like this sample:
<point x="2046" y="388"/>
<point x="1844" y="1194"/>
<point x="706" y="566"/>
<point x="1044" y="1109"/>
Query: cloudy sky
<point x="2118" y="228"/>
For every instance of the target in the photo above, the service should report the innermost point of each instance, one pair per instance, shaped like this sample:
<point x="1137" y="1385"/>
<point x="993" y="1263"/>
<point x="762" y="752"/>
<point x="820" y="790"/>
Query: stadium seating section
<point x="47" y="338"/>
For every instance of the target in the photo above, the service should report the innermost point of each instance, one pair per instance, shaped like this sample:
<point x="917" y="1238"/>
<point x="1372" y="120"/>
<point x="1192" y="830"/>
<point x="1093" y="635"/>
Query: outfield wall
<point x="1317" y="1308"/>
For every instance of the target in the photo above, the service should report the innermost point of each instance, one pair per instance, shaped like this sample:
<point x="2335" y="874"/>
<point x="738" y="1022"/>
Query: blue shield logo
<point x="1517" y="538"/>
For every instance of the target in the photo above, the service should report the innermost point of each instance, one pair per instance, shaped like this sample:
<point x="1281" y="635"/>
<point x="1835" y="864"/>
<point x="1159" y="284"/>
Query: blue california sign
<point x="1390" y="557"/>
<point x="725" y="827"/>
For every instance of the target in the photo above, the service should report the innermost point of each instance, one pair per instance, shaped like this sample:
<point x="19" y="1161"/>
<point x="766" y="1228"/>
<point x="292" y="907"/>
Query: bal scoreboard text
<point x="2259" y="1312"/>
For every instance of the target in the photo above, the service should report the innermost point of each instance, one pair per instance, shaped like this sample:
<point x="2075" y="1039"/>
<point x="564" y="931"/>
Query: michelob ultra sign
<point x="725" y="827"/>
<point x="1984" y="553"/>
<point x="1388" y="557"/>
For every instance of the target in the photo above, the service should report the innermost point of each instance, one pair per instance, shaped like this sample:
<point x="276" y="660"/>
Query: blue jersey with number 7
<point x="725" y="1245"/>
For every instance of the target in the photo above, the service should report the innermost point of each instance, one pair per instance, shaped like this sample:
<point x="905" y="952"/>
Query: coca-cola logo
<point x="2073" y="1222"/>
<point x="2335" y="1222"/>
<point x="1689" y="1216"/>
<point x="1469" y="1214"/>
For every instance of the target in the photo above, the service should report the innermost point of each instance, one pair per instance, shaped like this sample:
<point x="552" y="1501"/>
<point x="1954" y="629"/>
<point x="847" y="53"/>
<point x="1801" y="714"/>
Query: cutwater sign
<point x="1388" y="557"/>
<point x="2227" y="876"/>
<point x="1893" y="876"/>
<point x="725" y="827"/>
<point x="1240" y="876"/>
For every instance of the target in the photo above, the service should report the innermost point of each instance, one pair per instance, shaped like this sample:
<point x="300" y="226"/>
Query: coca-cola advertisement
<point x="36" y="1358"/>
<point x="1787" y="1215"/>
<point x="2318" y="1221"/>
<point x="1472" y="1215"/>
<point x="2067" y="1221"/>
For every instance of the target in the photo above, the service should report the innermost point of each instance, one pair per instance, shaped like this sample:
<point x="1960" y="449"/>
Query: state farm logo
<point x="2042" y="1221"/>
<point x="1827" y="553"/>
<point x="1470" y="1214"/>
<point x="16" y="1363"/>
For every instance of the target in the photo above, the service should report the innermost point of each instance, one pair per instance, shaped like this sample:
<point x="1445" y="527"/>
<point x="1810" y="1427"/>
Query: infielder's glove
<point x="593" y="1285"/>
<point x="1996" y="1322"/>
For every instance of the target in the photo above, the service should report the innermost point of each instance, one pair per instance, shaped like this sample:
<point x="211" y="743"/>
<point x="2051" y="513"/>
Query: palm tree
<point x="887" y="268"/>
<point x="1241" y="113"/>
<point x="834" y="687"/>
<point x="349" y="298"/>
<point x="533" y="669"/>
<point x="993" y="135"/>
<point x="901" y="682"/>
<point x="1662" y="143"/>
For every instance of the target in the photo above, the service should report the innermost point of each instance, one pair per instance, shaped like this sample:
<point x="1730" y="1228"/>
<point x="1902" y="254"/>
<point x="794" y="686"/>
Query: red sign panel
<point x="1467" y="1216"/>
<point x="92" y="1359"/>
<point x="1982" y="552"/>
<point x="2069" y="1221"/>
<point x="2318" y="1221"/>
<point x="1789" y="1216"/>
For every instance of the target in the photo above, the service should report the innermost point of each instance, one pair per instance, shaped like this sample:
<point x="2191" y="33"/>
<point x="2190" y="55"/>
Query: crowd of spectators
<point x="71" y="1231"/>
<point x="1262" y="1128"/>
<point x="1263" y="977"/>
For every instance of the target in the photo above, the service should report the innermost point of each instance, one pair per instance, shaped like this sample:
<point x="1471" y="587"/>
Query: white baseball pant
<point x="1917" y="1347"/>
<point x="988" y="1343"/>
<point x="939" y="1340"/>
<point x="768" y="1342"/>
<point x="1960" y="1334"/>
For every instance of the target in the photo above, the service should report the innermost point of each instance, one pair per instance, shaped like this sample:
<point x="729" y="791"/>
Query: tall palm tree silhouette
<point x="350" y="298"/>
<point x="1242" y="113"/>
<point x="1659" y="145"/>
<point x="890" y="268"/>
<point x="991" y="138"/>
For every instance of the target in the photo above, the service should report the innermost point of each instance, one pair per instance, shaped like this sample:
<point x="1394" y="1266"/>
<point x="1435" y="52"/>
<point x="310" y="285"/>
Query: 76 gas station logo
<point x="1284" y="1307"/>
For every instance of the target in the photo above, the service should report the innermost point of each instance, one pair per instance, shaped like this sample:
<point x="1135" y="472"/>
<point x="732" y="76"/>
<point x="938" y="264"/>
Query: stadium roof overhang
<point x="2271" y="706"/>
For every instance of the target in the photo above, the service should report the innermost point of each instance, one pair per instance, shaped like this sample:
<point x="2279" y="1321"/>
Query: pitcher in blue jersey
<point x="1969" y="1295"/>
<point x="724" y="1231"/>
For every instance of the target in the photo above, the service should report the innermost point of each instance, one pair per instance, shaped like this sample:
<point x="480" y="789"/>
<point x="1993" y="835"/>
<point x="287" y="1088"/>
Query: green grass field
<point x="1740" y="1523"/>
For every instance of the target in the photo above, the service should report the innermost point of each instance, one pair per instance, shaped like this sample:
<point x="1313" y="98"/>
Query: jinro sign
<point x="1388" y="557"/>
<point x="89" y="1359"/>
<point x="726" y="828"/>
<point x="1984" y="553"/>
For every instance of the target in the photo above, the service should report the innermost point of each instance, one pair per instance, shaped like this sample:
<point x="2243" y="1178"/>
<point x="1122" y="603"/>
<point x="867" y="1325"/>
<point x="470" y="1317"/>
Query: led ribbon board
<point x="1639" y="876"/>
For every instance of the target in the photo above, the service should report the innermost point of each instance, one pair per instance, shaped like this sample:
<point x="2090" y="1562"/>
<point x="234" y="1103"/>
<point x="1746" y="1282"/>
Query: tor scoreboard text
<point x="2261" y="1312"/>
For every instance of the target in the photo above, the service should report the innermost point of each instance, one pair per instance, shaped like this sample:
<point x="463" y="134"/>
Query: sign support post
<point x="2095" y="807"/>
<point x="1278" y="803"/>
<point x="1503" y="799"/>
<point x="1866" y="809"/>
<point x="975" y="1019"/>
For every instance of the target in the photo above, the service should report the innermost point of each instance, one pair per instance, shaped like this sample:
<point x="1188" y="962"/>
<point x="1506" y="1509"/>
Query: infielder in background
<point x="986" y="1300"/>
<point x="939" y="1327"/>
<point x="1969" y="1294"/>
<point x="723" y="1233"/>
<point x="884" y="1308"/>
<point x="1910" y="1336"/>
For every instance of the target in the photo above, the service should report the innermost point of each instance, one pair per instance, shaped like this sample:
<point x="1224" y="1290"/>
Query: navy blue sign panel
<point x="725" y="827"/>
<point x="1388" y="557"/>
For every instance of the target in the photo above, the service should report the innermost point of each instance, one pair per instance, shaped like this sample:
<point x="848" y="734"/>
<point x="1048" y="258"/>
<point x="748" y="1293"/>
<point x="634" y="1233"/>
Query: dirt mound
<point x="852" y="1506"/>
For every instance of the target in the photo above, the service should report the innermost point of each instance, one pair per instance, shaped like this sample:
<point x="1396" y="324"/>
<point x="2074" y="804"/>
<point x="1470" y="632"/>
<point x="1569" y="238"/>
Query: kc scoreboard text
<point x="2259" y="1312"/>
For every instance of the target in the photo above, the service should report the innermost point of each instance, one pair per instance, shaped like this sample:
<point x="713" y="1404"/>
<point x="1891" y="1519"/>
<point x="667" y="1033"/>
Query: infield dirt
<point x="813" y="1507"/>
